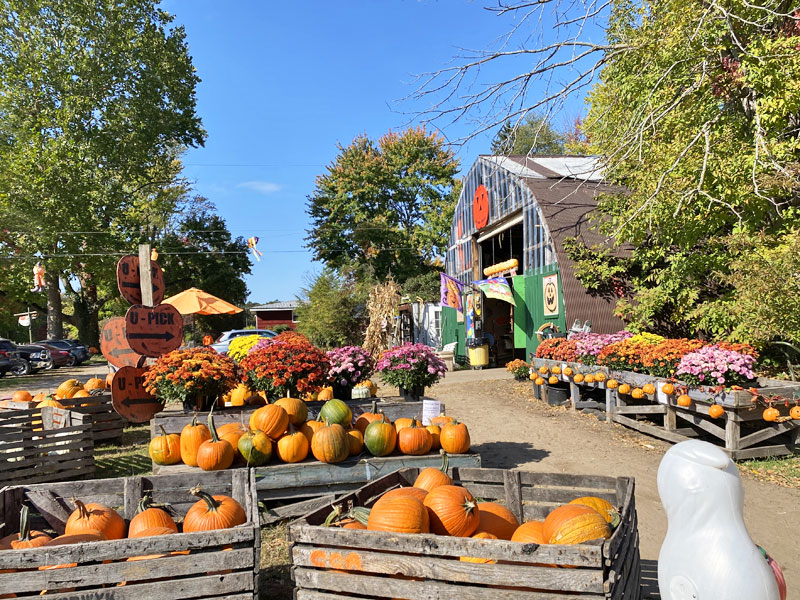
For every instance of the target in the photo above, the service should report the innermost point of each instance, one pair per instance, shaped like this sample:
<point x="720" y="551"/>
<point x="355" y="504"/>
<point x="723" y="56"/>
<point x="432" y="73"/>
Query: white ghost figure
<point x="707" y="554"/>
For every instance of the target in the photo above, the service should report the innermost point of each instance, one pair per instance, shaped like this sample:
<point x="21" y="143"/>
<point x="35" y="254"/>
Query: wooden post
<point x="732" y="433"/>
<point x="609" y="404"/>
<point x="574" y="395"/>
<point x="670" y="418"/>
<point x="537" y="391"/>
<point x="145" y="277"/>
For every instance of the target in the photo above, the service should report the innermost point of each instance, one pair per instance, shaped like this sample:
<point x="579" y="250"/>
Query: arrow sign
<point x="153" y="331"/>
<point x="129" y="397"/>
<point x="129" y="283"/>
<point x="114" y="345"/>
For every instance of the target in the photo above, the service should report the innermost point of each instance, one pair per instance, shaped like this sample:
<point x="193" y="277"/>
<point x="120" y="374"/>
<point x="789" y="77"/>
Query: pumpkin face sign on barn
<point x="480" y="207"/>
<point x="153" y="331"/>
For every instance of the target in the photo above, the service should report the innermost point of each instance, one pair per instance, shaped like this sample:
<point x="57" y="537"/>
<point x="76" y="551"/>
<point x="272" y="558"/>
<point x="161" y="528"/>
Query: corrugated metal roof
<point x="513" y="165"/>
<point x="291" y="304"/>
<point x="585" y="168"/>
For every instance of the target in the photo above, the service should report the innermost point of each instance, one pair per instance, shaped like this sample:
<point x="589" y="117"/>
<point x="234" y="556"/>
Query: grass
<point x="783" y="471"/>
<point x="129" y="457"/>
<point x="275" y="573"/>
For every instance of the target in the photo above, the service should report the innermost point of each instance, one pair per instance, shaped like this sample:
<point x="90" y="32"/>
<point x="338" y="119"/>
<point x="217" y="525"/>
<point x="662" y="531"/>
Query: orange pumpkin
<point x="293" y="446"/>
<point x="668" y="389"/>
<point x="414" y="492"/>
<point x="147" y="517"/>
<point x="600" y="377"/>
<point x="567" y="371"/>
<point x="430" y="478"/>
<point x="69" y="388"/>
<point x="497" y="520"/>
<point x="214" y="454"/>
<point x="152" y="531"/>
<point x="240" y="395"/>
<point x="400" y="514"/>
<point x="575" y="528"/>
<point x="453" y="511"/>
<point x="165" y="449"/>
<point x="366" y="418"/>
<point x="649" y="388"/>
<point x="95" y="517"/>
<point x="356" y="440"/>
<point x="21" y="396"/>
<point x="414" y="440"/>
<point x="771" y="414"/>
<point x="530" y="532"/>
<point x="81" y="394"/>
<point x="538" y="381"/>
<point x="95" y="383"/>
<point x="556" y="370"/>
<point x="612" y="384"/>
<point x="552" y="380"/>
<point x="192" y="437"/>
<point x="481" y="535"/>
<point x="325" y="394"/>
<point x="109" y="379"/>
<point x="684" y="400"/>
<point x="309" y="427"/>
<point x="637" y="393"/>
<point x="27" y="537"/>
<point x="578" y="378"/>
<point x="588" y="378"/>
<point x="271" y="419"/>
<point x="330" y="444"/>
<point x="295" y="408"/>
<point x="454" y="438"/>
<point x="232" y="433"/>
<point x="436" y="433"/>
<point x="794" y="412"/>
<point x="402" y="423"/>
<point x="624" y="389"/>
<point x="212" y="512"/>
<point x="441" y="420"/>
<point x="50" y="401"/>
<point x="715" y="411"/>
<point x="604" y="507"/>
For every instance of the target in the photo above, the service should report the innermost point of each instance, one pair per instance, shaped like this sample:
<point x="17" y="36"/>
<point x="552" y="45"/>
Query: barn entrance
<point x="504" y="242"/>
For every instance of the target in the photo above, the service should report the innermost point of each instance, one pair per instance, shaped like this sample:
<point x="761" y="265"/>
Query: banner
<point x="496" y="287"/>
<point x="452" y="293"/>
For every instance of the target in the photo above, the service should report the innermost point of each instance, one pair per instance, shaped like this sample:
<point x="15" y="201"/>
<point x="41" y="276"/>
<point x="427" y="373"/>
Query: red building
<point x="269" y="316"/>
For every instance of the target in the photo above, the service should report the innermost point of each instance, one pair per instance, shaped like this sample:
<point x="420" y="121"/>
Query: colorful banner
<point x="496" y="287"/>
<point x="452" y="293"/>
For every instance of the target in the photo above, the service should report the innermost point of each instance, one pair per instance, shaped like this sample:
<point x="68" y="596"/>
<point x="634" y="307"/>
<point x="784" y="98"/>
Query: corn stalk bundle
<point x="382" y="306"/>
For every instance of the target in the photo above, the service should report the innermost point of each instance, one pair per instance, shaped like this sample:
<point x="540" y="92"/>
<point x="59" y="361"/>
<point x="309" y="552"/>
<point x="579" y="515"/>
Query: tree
<point x="331" y="311"/>
<point x="533" y="135"/>
<point x="94" y="100"/>
<point x="384" y="208"/>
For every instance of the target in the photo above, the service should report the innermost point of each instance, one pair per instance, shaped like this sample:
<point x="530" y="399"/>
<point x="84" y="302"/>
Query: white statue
<point x="707" y="554"/>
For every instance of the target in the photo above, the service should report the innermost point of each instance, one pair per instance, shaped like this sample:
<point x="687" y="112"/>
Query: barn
<point x="524" y="208"/>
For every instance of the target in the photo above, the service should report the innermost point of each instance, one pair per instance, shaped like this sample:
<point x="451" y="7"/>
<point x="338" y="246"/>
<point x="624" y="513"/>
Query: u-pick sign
<point x="153" y="331"/>
<point x="129" y="282"/>
<point x="129" y="397"/>
<point x="115" y="347"/>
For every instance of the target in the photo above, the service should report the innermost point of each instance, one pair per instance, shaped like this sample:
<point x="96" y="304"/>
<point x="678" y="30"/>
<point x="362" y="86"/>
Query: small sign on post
<point x="129" y="279"/>
<point x="153" y="331"/>
<point x="430" y="409"/>
<point x="114" y="345"/>
<point x="129" y="397"/>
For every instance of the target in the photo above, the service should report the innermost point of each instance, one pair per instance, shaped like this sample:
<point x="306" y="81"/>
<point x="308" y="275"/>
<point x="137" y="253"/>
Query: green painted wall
<point x="452" y="330"/>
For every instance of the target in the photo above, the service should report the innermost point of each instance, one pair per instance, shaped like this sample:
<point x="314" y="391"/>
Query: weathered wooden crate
<point x="221" y="564"/>
<point x="47" y="444"/>
<point x="107" y="424"/>
<point x="330" y="562"/>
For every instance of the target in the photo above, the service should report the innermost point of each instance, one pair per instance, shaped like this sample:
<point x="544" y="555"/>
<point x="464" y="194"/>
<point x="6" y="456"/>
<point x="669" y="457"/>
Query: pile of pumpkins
<point x="436" y="505"/>
<point x="71" y="388"/>
<point x="283" y="429"/>
<point x="94" y="522"/>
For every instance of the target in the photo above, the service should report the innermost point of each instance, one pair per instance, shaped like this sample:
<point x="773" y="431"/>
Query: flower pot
<point x="414" y="394"/>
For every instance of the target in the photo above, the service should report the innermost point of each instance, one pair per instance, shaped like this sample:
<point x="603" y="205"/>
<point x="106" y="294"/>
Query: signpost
<point x="129" y="280"/>
<point x="153" y="331"/>
<point x="114" y="345"/>
<point x="129" y="397"/>
<point x="26" y="320"/>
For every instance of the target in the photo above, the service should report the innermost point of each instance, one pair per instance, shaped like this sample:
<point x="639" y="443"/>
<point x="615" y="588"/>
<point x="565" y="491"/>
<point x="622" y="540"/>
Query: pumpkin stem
<point x="144" y="503"/>
<point x="374" y="408"/>
<point x="337" y="510"/>
<point x="194" y="420"/>
<point x="213" y="505"/>
<point x="82" y="510"/>
<point x="163" y="431"/>
<point x="211" y="427"/>
<point x="24" y="524"/>
<point x="445" y="460"/>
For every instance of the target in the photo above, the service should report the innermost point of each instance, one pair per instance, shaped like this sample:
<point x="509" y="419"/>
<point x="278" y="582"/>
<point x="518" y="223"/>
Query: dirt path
<point x="48" y="381"/>
<point x="512" y="430"/>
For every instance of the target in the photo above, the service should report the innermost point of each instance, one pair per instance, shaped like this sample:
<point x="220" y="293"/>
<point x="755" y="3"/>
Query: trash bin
<point x="478" y="351"/>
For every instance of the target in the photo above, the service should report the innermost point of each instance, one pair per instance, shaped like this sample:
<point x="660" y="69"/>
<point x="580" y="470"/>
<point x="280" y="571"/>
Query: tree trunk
<point x="55" y="326"/>
<point x="87" y="311"/>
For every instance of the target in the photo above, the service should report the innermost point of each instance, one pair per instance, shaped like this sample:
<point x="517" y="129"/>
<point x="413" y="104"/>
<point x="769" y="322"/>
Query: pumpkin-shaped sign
<point x="153" y="331"/>
<point x="480" y="207"/>
<point x="129" y="282"/>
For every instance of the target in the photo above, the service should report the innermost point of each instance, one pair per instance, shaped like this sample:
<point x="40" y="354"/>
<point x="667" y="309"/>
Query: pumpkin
<point x="212" y="512"/>
<point x="400" y="514"/>
<point x="21" y="396"/>
<point x="39" y="397"/>
<point x="794" y="412"/>
<point x="637" y="393"/>
<point x="402" y="423"/>
<point x="82" y="394"/>
<point x="430" y="478"/>
<point x="309" y="427"/>
<point x="414" y="492"/>
<point x="325" y="394"/>
<point x="91" y="535"/>
<point x="240" y="395"/>
<point x="271" y="419"/>
<point x="556" y="370"/>
<point x="481" y="535"/>
<point x="109" y="379"/>
<point x="600" y="377"/>
<point x="26" y="538"/>
<point x="336" y="411"/>
<point x="588" y="378"/>
<point x="359" y="393"/>
<point x="352" y="525"/>
<point x="293" y="446"/>
<point x="165" y="449"/>
<point x="684" y="400"/>
<point x="497" y="520"/>
<point x="612" y="384"/>
<point x="715" y="411"/>
<point x="453" y="511"/>
<point x="414" y="440"/>
<point x="441" y="420"/>
<point x="95" y="517"/>
<point x="232" y="433"/>
<point x="356" y="440"/>
<point x="538" y="381"/>
<point x="668" y="389"/>
<point x="380" y="437"/>
<point x="552" y="380"/>
<point x="50" y="401"/>
<point x="192" y="437"/>
<point x="366" y="418"/>
<point x="147" y="517"/>
<point x="330" y="444"/>
<point x="571" y="523"/>
<point x="372" y="387"/>
<point x="255" y="447"/>
<point x="151" y="532"/>
<point x="604" y="507"/>
<point x="435" y="432"/>
<point x="544" y="370"/>
<point x="624" y="388"/>
<point x="771" y="414"/>
<point x="311" y="396"/>
<point x="69" y="388"/>
<point x="578" y="378"/>
<point x="567" y="371"/>
<point x="530" y="532"/>
<point x="455" y="438"/>
<point x="295" y="408"/>
<point x="214" y="454"/>
<point x="649" y="388"/>
<point x="95" y="383"/>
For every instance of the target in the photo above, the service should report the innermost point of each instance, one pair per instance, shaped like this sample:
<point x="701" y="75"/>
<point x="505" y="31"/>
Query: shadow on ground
<point x="649" y="580"/>
<point x="122" y="466"/>
<point x="508" y="455"/>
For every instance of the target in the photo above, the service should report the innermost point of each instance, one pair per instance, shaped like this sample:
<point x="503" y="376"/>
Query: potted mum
<point x="412" y="368"/>
<point x="349" y="365"/>
<point x="197" y="377"/>
<point x="519" y="368"/>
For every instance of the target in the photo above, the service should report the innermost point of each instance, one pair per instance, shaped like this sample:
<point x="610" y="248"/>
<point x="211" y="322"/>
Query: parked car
<point x="60" y="358"/>
<point x="31" y="358"/>
<point x="9" y="357"/>
<point x="223" y="341"/>
<point x="79" y="352"/>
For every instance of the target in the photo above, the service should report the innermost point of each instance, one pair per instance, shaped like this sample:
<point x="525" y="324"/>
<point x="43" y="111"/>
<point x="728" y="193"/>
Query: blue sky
<point x="284" y="82"/>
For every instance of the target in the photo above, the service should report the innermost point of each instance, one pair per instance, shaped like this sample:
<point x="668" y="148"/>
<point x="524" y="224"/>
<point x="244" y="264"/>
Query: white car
<point x="223" y="341"/>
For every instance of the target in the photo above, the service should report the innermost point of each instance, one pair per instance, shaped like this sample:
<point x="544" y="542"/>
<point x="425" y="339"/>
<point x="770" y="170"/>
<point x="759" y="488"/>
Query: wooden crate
<point x="102" y="565"/>
<point x="47" y="444"/>
<point x="368" y="562"/>
<point x="107" y="424"/>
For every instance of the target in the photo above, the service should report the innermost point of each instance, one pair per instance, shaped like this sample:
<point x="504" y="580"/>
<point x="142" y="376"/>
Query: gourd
<point x="95" y="517"/>
<point x="414" y="440"/>
<point x="497" y="520"/>
<point x="771" y="414"/>
<point x="538" y="381"/>
<point x="212" y="512"/>
<point x="600" y="377"/>
<point x="295" y="408"/>
<point x="453" y="511"/>
<point x="336" y="411"/>
<point x="192" y="437"/>
<point x="148" y="516"/>
<point x="256" y="448"/>
<point x="624" y="389"/>
<point x="578" y="378"/>
<point x="552" y="380"/>
<point x="455" y="438"/>
<point x="380" y="437"/>
<point x="649" y="388"/>
<point x="293" y="446"/>
<point x="271" y="419"/>
<point x="330" y="444"/>
<point x="400" y="514"/>
<point x="165" y="449"/>
<point x="637" y="393"/>
<point x="612" y="384"/>
<point x="214" y="454"/>
<point x="430" y="478"/>
<point x="588" y="378"/>
<point x="359" y="393"/>
<point x="668" y="389"/>
<point x="794" y="412"/>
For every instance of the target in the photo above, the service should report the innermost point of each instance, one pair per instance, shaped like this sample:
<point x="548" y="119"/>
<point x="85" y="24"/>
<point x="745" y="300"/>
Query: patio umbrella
<point x="196" y="301"/>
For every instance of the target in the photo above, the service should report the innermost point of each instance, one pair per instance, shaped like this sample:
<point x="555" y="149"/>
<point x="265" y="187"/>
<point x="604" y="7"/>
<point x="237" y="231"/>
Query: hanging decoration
<point x="496" y="287"/>
<point x="498" y="269"/>
<point x="251" y="243"/>
<point x="451" y="292"/>
<point x="38" y="278"/>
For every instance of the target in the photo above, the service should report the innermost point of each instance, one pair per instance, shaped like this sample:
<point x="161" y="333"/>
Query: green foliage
<point x="384" y="208"/>
<point x="534" y="135"/>
<point x="425" y="286"/>
<point x="598" y="269"/>
<point x="332" y="311"/>
<point x="281" y="328"/>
